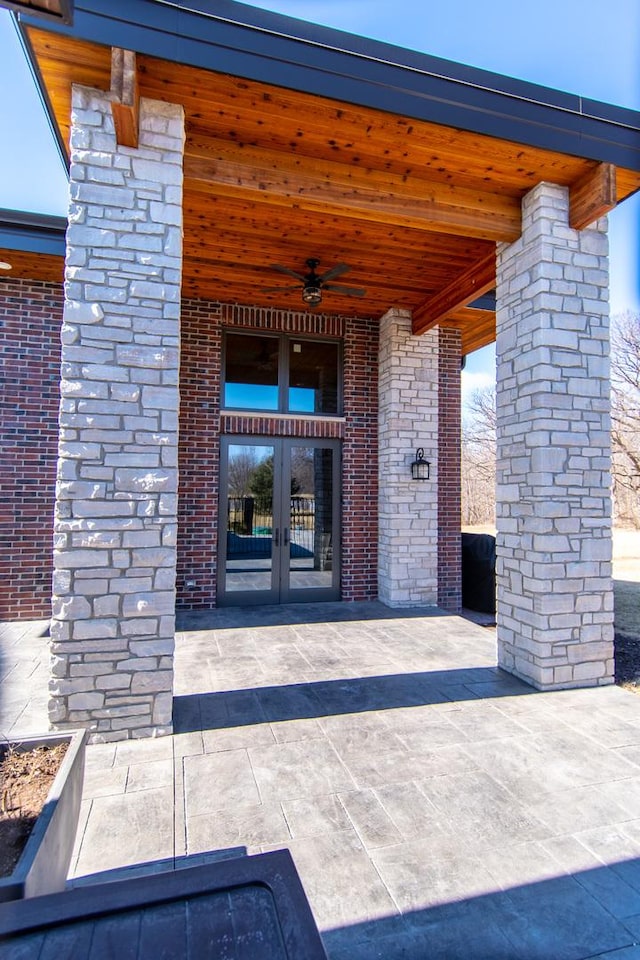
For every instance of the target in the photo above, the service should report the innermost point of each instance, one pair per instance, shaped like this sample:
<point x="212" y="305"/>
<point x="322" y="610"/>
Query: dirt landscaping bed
<point x="25" y="780"/>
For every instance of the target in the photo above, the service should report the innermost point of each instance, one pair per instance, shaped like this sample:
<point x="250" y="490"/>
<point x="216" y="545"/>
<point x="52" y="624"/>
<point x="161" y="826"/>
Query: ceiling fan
<point x="313" y="284"/>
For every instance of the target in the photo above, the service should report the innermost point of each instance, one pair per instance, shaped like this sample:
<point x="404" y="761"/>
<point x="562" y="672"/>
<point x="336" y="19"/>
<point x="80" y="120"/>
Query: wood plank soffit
<point x="124" y="87"/>
<point x="592" y="196"/>
<point x="476" y="280"/>
<point x="289" y="179"/>
<point x="477" y="328"/>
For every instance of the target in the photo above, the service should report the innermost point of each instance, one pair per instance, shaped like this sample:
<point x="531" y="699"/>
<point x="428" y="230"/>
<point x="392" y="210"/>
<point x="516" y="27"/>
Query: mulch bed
<point x="25" y="781"/>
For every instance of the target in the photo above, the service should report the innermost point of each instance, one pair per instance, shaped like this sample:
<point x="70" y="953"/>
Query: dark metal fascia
<point x="32" y="232"/>
<point x="245" y="42"/>
<point x="486" y="302"/>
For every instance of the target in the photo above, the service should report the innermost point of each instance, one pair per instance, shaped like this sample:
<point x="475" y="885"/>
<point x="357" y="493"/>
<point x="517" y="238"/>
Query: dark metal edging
<point x="32" y="233"/>
<point x="272" y="48"/>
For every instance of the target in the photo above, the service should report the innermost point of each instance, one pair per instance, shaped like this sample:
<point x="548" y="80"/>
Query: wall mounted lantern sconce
<point x="420" y="466"/>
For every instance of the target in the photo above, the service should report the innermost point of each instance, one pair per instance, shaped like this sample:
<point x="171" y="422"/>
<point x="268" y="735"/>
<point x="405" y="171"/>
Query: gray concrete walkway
<point x="434" y="806"/>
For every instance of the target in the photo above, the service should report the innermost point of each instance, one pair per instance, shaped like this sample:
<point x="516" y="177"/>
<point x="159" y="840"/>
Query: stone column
<point x="555" y="600"/>
<point x="408" y="418"/>
<point x="112" y="633"/>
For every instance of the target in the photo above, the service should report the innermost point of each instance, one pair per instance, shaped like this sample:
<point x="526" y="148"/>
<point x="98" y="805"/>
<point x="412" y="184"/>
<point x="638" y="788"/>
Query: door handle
<point x="276" y="537"/>
<point x="286" y="536"/>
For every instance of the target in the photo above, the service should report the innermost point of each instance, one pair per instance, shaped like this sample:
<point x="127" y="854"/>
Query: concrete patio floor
<point x="435" y="807"/>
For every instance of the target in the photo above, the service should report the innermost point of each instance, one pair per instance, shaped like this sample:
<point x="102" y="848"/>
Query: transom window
<point x="283" y="374"/>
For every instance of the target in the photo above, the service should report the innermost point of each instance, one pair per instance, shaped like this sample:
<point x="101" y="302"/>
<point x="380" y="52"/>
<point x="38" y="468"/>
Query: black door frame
<point x="280" y="590"/>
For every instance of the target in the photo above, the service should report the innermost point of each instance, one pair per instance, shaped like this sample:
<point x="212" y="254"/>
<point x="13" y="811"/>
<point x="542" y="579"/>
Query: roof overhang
<point x="305" y="141"/>
<point x="57" y="11"/>
<point x="33" y="245"/>
<point x="248" y="42"/>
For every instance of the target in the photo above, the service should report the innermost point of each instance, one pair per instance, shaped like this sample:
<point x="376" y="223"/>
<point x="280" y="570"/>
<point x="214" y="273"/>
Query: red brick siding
<point x="199" y="453"/>
<point x="275" y="426"/>
<point x="360" y="462"/>
<point x="201" y="425"/>
<point x="30" y="320"/>
<point x="449" y="485"/>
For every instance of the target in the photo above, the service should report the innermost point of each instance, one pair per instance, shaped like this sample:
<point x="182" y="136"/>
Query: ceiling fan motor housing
<point x="313" y="284"/>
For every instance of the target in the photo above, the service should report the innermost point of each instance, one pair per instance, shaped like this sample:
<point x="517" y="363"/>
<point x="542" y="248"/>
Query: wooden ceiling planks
<point x="463" y="289"/>
<point x="32" y="266"/>
<point x="478" y="328"/>
<point x="275" y="176"/>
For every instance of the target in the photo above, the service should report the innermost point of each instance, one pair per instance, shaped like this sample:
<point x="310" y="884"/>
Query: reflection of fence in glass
<point x="252" y="528"/>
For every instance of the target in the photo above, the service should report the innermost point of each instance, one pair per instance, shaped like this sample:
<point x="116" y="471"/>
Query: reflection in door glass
<point x="311" y="518"/>
<point x="249" y="517"/>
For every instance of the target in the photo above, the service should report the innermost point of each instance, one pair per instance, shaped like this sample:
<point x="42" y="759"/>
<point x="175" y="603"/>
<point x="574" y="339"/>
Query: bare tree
<point x="479" y="458"/>
<point x="242" y="467"/>
<point x="625" y="417"/>
<point x="479" y="434"/>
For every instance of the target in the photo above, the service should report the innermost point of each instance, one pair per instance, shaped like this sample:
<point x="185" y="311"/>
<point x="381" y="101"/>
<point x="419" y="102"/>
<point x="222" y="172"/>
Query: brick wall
<point x="198" y="453"/>
<point x="30" y="320"/>
<point x="360" y="462"/>
<point x="201" y="425"/>
<point x="449" y="440"/>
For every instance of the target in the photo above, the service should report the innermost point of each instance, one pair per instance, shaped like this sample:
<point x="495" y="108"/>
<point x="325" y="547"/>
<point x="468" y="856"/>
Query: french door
<point x="279" y="520"/>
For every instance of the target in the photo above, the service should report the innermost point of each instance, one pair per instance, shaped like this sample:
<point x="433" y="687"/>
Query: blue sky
<point x="588" y="47"/>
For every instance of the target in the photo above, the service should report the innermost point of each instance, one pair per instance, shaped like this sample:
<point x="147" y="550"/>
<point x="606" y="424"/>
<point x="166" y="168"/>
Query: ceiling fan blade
<point x="294" y="286"/>
<point x="348" y="291"/>
<point x="290" y="273"/>
<point x="334" y="272"/>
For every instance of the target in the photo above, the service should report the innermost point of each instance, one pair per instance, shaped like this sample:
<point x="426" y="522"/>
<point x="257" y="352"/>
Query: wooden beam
<point x="476" y="280"/>
<point x="477" y="327"/>
<point x="592" y="196"/>
<point x="287" y="179"/>
<point x="124" y="87"/>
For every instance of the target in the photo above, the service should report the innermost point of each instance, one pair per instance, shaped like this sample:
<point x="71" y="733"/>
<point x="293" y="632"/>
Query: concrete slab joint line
<point x="433" y="805"/>
<point x="553" y="472"/>
<point x="112" y="631"/>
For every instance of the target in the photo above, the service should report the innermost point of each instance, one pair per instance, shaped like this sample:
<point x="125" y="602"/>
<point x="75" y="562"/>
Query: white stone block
<point x="158" y="681"/>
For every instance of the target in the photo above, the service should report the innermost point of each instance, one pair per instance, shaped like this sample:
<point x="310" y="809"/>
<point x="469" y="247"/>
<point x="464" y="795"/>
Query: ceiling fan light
<point x="312" y="295"/>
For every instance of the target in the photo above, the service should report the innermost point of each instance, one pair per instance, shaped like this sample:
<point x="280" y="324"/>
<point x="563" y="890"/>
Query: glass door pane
<point x="250" y="519"/>
<point x="279" y="521"/>
<point x="311" y="505"/>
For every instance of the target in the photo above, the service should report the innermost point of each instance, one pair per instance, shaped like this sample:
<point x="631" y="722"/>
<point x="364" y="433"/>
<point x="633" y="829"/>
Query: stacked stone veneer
<point x="407" y="419"/>
<point x="115" y="527"/>
<point x="555" y="597"/>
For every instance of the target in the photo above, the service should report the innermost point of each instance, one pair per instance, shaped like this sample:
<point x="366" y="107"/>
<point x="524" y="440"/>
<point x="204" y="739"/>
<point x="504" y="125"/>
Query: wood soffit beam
<point x="476" y="280"/>
<point x="592" y="196"/>
<point x="288" y="179"/>
<point x="124" y="87"/>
